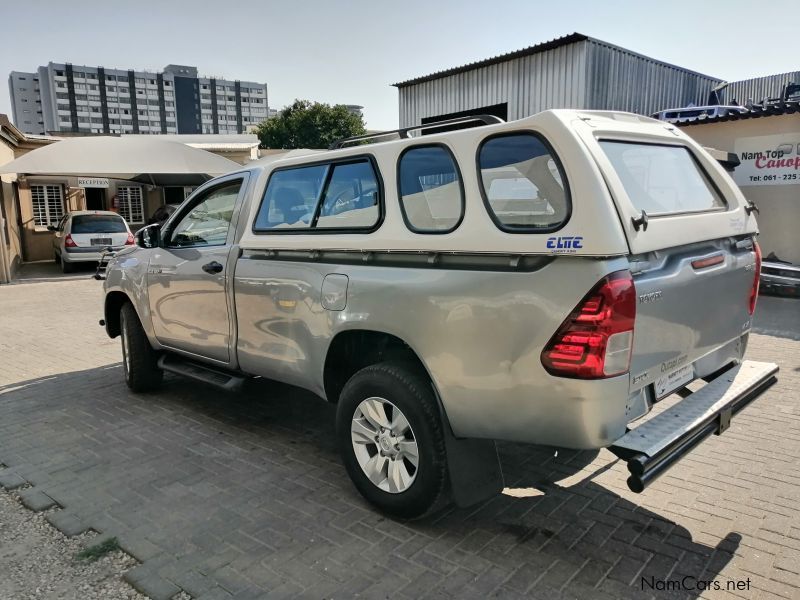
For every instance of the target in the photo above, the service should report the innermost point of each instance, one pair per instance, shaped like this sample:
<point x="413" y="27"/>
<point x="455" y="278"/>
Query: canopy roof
<point x="147" y="160"/>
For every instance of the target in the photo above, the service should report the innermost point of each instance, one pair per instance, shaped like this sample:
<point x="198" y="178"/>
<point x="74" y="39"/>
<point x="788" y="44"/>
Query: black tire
<point x="411" y="392"/>
<point x="65" y="266"/>
<point x="139" y="360"/>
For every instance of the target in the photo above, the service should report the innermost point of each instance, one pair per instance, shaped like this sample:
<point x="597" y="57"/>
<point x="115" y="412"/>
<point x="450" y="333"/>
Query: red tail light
<point x="69" y="242"/>
<point x="756" y="279"/>
<point x="596" y="339"/>
<point x="130" y="241"/>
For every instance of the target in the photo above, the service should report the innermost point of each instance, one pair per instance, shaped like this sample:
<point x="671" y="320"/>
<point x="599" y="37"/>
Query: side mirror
<point x="52" y="228"/>
<point x="149" y="237"/>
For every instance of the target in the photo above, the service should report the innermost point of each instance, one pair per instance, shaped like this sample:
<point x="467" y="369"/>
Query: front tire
<point x="139" y="360"/>
<point x="391" y="439"/>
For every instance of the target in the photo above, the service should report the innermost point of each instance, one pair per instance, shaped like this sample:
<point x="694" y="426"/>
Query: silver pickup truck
<point x="547" y="281"/>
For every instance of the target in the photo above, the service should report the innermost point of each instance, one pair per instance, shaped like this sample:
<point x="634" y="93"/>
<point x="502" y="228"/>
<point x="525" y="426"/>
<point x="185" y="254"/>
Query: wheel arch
<point x="474" y="470"/>
<point x="353" y="349"/>
<point x="113" y="304"/>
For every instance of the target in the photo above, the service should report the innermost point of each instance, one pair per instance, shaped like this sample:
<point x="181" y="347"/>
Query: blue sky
<point x="352" y="51"/>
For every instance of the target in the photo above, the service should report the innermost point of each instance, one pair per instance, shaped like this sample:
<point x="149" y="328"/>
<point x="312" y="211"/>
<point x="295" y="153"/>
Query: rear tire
<point x="139" y="360"/>
<point x="65" y="266"/>
<point x="387" y="420"/>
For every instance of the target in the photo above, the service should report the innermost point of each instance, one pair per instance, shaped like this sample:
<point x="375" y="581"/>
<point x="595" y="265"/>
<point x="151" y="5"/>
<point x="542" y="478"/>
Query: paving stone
<point x="243" y="496"/>
<point x="36" y="500"/>
<point x="150" y="583"/>
<point x="67" y="523"/>
<point x="10" y="480"/>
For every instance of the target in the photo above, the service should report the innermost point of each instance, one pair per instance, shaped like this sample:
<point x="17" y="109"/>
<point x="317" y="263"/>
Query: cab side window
<point x="336" y="196"/>
<point x="208" y="221"/>
<point x="291" y="198"/>
<point x="351" y="198"/>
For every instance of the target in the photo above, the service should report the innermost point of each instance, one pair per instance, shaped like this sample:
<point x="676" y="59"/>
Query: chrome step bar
<point x="658" y="443"/>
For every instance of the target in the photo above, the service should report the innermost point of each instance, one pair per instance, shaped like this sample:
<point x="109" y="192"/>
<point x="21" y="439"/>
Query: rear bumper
<point x="86" y="254"/>
<point x="656" y="445"/>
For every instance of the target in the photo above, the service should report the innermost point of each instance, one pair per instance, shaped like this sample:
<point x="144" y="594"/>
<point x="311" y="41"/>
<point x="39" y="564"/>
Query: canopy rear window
<point x="662" y="179"/>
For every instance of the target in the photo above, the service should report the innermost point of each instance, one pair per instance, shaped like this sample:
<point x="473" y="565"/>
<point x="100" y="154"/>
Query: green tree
<point x="307" y="124"/>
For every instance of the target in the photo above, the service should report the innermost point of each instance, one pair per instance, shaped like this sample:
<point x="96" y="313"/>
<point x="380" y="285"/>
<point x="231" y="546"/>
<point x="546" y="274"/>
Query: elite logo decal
<point x="568" y="244"/>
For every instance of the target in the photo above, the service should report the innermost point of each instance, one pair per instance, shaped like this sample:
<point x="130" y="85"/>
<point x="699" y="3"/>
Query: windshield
<point x="662" y="179"/>
<point x="97" y="224"/>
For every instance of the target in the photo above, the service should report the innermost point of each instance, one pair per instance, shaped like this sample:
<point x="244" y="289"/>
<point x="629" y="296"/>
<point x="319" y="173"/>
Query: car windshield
<point x="97" y="224"/>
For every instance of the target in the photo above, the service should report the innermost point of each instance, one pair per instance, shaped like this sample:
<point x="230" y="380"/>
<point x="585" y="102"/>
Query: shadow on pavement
<point x="49" y="272"/>
<point x="246" y="492"/>
<point x="777" y="316"/>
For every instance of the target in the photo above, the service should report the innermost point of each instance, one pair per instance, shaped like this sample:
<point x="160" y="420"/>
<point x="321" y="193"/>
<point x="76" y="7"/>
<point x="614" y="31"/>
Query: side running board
<point x="206" y="374"/>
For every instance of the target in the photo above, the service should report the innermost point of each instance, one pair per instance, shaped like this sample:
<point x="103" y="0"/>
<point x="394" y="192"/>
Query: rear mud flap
<point x="474" y="466"/>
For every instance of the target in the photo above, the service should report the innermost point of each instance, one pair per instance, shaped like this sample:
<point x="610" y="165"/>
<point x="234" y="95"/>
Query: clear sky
<point x="352" y="51"/>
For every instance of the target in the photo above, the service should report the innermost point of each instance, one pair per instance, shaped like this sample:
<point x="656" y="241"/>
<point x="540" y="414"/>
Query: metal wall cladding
<point x="589" y="74"/>
<point x="529" y="84"/>
<point x="618" y="79"/>
<point x="759" y="88"/>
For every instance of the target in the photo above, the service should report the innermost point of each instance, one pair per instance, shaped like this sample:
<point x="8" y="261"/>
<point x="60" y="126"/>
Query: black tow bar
<point x="645" y="469"/>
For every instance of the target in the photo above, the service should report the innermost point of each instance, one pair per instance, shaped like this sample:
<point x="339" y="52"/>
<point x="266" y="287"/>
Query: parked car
<point x="780" y="277"/>
<point x="442" y="310"/>
<point x="83" y="236"/>
<point x="162" y="213"/>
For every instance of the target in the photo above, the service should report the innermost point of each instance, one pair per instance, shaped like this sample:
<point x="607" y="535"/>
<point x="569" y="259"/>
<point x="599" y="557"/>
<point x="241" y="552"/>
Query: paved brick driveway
<point x="244" y="496"/>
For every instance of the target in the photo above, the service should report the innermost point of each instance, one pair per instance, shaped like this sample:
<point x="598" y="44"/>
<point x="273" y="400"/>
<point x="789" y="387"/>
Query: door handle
<point x="212" y="267"/>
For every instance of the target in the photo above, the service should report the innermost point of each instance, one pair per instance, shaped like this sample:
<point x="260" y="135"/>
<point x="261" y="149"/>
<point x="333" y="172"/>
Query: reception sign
<point x="92" y="182"/>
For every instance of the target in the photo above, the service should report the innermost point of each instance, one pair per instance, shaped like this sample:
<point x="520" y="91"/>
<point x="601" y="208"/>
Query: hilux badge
<point x="650" y="297"/>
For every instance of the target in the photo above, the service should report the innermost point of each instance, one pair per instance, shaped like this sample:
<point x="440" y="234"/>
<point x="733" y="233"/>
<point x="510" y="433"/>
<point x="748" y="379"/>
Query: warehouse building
<point x="574" y="71"/>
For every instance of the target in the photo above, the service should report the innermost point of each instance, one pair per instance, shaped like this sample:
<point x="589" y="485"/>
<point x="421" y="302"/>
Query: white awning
<point x="145" y="159"/>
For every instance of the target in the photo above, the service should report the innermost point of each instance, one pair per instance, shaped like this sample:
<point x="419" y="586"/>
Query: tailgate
<point x="693" y="302"/>
<point x="691" y="247"/>
<point x="667" y="190"/>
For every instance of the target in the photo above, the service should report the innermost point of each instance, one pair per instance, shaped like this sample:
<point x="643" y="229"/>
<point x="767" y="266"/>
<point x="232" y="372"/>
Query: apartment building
<point x="66" y="98"/>
<point x="26" y="102"/>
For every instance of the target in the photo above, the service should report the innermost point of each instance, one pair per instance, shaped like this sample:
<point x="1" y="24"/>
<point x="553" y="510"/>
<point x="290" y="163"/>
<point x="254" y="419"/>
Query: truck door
<point x="188" y="276"/>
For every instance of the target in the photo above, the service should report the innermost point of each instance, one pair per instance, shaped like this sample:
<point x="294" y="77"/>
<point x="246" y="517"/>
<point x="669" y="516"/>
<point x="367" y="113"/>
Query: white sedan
<point x="82" y="236"/>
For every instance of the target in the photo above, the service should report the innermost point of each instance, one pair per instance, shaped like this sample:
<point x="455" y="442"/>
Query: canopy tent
<point x="145" y="160"/>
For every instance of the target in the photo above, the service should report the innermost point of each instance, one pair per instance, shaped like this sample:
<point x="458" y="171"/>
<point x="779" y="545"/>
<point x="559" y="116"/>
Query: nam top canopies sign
<point x="768" y="160"/>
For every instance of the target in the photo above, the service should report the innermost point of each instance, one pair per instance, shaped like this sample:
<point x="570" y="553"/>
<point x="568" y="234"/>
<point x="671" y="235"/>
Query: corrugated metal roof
<point x="543" y="47"/>
<point x="759" y="88"/>
<point x="769" y="110"/>
<point x="572" y="38"/>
